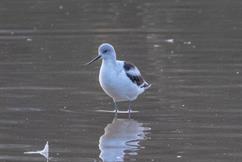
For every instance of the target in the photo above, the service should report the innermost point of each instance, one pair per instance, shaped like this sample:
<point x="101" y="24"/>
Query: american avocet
<point x="120" y="80"/>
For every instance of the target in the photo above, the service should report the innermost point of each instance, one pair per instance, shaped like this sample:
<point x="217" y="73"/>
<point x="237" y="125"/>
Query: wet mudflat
<point x="190" y="51"/>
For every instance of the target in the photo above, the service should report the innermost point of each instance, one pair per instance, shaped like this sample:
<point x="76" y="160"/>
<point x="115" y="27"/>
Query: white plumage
<point x="120" y="80"/>
<point x="115" y="82"/>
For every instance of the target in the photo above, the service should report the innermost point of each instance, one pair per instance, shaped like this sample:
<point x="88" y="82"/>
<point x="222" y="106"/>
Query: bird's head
<point x="106" y="52"/>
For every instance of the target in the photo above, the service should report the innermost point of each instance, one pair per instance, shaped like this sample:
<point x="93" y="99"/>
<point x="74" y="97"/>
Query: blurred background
<point x="191" y="52"/>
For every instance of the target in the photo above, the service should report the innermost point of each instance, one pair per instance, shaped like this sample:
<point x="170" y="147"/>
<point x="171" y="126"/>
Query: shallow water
<point x="190" y="51"/>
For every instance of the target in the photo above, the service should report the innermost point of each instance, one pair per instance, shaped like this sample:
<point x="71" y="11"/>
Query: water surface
<point x="189" y="50"/>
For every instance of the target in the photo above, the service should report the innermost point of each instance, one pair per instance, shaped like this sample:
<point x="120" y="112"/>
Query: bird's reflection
<point x="120" y="138"/>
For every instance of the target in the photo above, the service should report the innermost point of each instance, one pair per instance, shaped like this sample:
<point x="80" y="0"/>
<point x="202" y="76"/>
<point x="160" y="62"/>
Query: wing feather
<point x="134" y="75"/>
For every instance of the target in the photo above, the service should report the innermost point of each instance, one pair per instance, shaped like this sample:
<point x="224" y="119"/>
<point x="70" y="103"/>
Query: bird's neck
<point x="109" y="62"/>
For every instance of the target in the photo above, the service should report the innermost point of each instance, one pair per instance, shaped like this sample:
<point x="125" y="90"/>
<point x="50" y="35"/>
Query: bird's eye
<point x="105" y="51"/>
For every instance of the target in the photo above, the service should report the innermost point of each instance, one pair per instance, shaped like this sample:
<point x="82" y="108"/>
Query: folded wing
<point x="134" y="75"/>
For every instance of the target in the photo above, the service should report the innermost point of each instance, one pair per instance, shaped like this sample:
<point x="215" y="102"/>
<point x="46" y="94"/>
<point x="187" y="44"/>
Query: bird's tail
<point x="146" y="86"/>
<point x="149" y="85"/>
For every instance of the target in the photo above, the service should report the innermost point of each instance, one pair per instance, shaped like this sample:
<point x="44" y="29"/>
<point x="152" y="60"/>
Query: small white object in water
<point x="29" y="40"/>
<point x="178" y="156"/>
<point x="188" y="42"/>
<point x="170" y="40"/>
<point x="237" y="72"/>
<point x="44" y="152"/>
<point x="156" y="45"/>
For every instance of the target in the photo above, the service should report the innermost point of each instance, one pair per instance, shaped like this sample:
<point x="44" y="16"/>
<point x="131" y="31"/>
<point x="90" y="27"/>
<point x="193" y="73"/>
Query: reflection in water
<point x="121" y="137"/>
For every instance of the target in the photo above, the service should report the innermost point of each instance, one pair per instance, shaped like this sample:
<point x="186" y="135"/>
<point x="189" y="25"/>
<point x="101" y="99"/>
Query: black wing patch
<point x="137" y="79"/>
<point x="128" y="66"/>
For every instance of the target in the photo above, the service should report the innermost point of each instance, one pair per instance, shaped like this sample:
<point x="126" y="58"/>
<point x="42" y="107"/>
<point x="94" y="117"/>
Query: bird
<point x="121" y="80"/>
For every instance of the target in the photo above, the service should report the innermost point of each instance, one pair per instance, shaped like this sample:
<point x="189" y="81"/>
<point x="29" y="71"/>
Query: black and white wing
<point x="134" y="75"/>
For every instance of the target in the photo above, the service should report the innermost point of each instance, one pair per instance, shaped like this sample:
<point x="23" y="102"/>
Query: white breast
<point x="116" y="84"/>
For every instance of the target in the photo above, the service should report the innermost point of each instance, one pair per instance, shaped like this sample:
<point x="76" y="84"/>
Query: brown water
<point x="191" y="52"/>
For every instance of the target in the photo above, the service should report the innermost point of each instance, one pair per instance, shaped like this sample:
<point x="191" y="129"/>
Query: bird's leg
<point x="129" y="109"/>
<point x="116" y="108"/>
